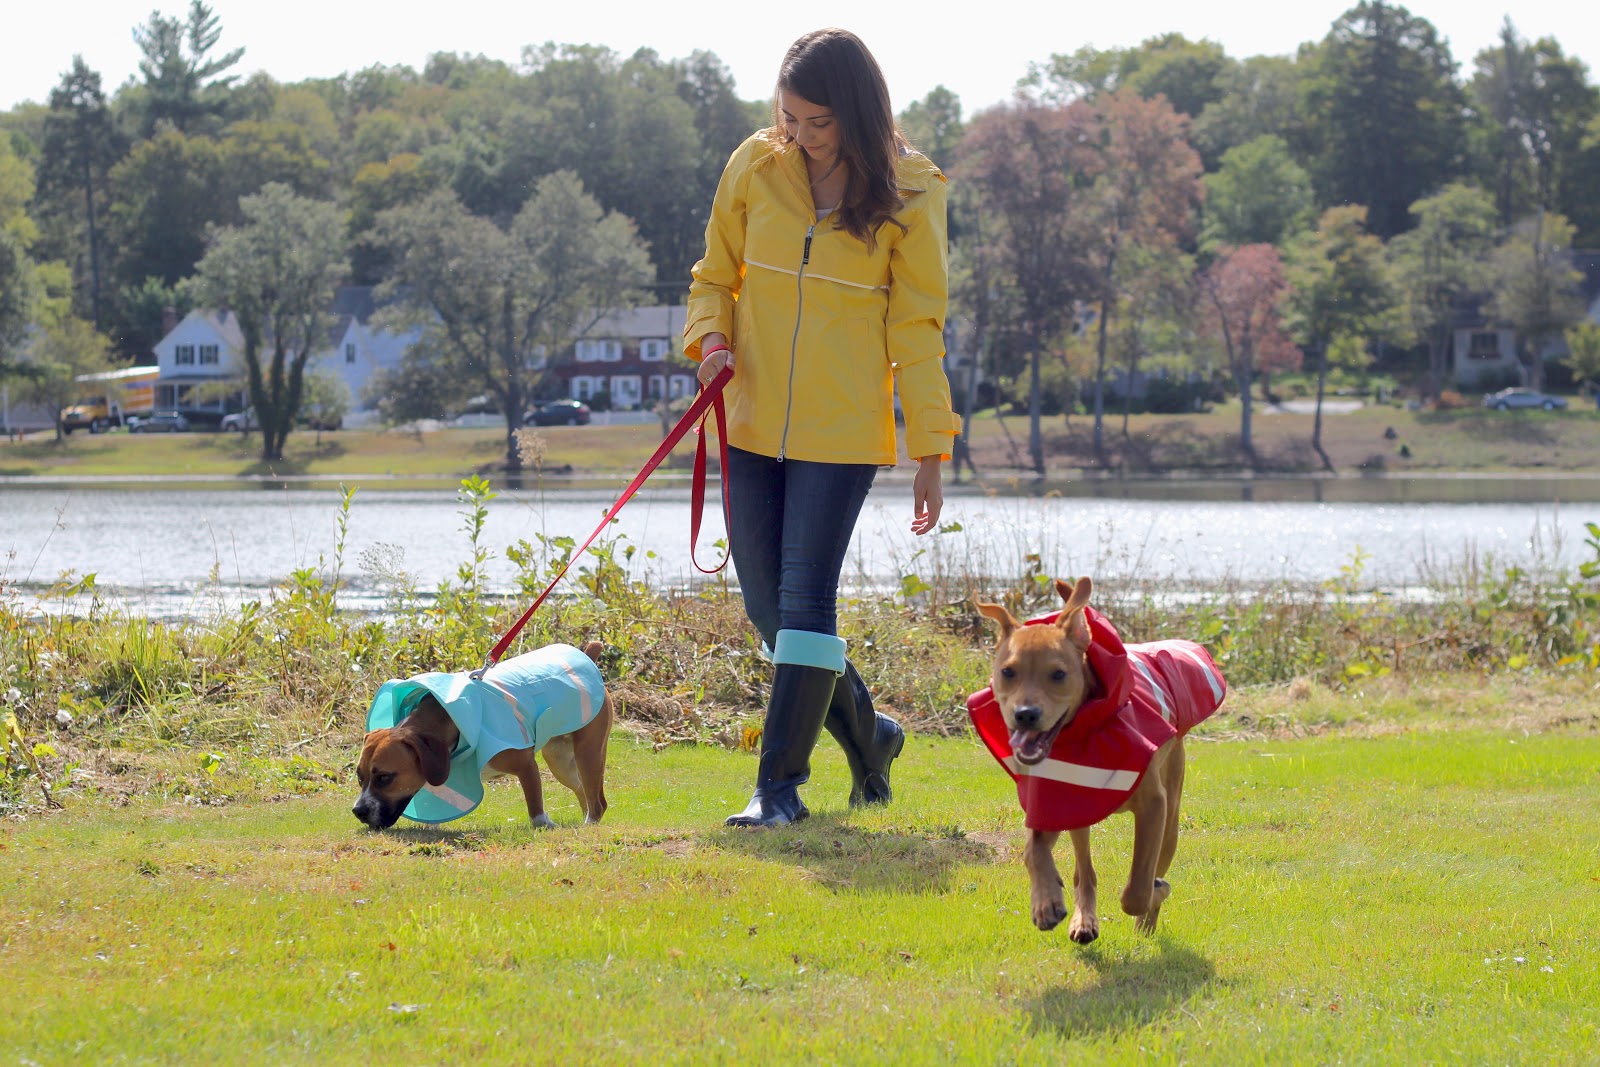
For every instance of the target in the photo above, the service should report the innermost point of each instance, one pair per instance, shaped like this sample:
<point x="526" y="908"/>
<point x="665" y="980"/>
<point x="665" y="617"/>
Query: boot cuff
<point x="807" y="649"/>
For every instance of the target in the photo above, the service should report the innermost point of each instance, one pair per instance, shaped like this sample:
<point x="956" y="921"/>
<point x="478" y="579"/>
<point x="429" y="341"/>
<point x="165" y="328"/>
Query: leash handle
<point x="710" y="397"/>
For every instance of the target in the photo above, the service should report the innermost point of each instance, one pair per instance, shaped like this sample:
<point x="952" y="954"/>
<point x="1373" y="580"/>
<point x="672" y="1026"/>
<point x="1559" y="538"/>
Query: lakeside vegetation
<point x="1464" y="439"/>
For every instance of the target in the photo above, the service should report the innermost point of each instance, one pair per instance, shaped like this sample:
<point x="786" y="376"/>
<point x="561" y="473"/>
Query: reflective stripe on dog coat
<point x="521" y="702"/>
<point x="1149" y="694"/>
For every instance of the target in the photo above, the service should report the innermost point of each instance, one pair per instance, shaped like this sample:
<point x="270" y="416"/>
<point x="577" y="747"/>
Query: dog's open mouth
<point x="1032" y="746"/>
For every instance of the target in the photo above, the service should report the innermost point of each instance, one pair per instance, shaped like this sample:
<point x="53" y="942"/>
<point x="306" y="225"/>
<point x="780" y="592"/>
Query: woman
<point x="823" y="287"/>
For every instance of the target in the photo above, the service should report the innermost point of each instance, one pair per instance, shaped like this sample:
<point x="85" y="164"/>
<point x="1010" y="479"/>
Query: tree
<point x="1240" y="295"/>
<point x="1383" y="112"/>
<point x="1583" y="354"/>
<point x="1260" y="97"/>
<point x="1439" y="263"/>
<point x="1144" y="194"/>
<point x="1536" y="287"/>
<point x="324" y="401"/>
<point x="1531" y="105"/>
<point x="1186" y="72"/>
<point x="1338" y="289"/>
<point x="1153" y="289"/>
<point x="182" y="80"/>
<point x="276" y="272"/>
<point x="493" y="302"/>
<point x="1030" y="164"/>
<point x="933" y="125"/>
<point x="81" y="144"/>
<point x="19" y="283"/>
<point x="164" y="194"/>
<point x="1259" y="196"/>
<point x="63" y="349"/>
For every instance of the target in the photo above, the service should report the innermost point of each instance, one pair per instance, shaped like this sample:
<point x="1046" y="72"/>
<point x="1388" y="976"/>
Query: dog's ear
<point x="431" y="756"/>
<point x="1072" y="619"/>
<point x="593" y="650"/>
<point x="1008" y="622"/>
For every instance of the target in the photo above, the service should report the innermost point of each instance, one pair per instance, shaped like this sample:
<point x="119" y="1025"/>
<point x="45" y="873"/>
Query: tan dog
<point x="1043" y="676"/>
<point x="397" y="762"/>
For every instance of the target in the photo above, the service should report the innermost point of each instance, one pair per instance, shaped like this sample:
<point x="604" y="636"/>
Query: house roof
<point x="657" y="320"/>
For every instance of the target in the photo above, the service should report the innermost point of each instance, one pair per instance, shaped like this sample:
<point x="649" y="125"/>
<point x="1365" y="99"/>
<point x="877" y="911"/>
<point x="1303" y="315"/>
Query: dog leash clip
<point x="477" y="675"/>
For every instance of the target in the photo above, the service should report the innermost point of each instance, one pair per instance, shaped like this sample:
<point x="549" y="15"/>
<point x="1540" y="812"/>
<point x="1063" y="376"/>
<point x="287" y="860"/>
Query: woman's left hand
<point x="927" y="493"/>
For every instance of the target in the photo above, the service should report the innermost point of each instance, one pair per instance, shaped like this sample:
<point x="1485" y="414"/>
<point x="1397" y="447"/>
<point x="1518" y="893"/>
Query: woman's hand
<point x="927" y="492"/>
<point x="712" y="365"/>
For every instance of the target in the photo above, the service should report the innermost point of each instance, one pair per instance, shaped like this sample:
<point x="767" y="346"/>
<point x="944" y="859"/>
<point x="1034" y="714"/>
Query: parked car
<point x="558" y="413"/>
<point x="1506" y="399"/>
<point x="240" y="421"/>
<point x="160" y="422"/>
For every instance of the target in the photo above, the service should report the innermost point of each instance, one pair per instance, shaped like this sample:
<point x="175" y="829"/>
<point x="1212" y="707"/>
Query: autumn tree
<point x="63" y="348"/>
<point x="277" y="271"/>
<point x="1241" y="293"/>
<point x="1144" y="195"/>
<point x="1030" y="165"/>
<point x="1440" y="262"/>
<point x="493" y="303"/>
<point x="1339" y="291"/>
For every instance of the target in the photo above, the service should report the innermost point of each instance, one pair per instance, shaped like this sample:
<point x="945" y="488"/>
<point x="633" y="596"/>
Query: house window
<point x="679" y="385"/>
<point x="658" y="386"/>
<point x="653" y="349"/>
<point x="1485" y="345"/>
<point x="585" y="386"/>
<point x="350" y="352"/>
<point x="183" y="355"/>
<point x="209" y="355"/>
<point x="605" y="351"/>
<point x="625" y="390"/>
<point x="538" y="358"/>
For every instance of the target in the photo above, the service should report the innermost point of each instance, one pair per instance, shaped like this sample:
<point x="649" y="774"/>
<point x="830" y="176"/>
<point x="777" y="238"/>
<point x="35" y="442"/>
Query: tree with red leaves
<point x="1240" y="293"/>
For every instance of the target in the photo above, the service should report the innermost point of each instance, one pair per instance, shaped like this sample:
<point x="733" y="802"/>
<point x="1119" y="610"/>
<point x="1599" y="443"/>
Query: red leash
<point x="710" y="397"/>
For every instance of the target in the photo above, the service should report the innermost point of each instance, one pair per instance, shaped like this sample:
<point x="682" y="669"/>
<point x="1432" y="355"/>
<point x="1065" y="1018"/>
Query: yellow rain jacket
<point x="823" y="331"/>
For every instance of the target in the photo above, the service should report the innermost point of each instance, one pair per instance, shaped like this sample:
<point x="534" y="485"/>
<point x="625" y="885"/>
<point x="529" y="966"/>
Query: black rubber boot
<point x="870" y="741"/>
<point x="795" y="711"/>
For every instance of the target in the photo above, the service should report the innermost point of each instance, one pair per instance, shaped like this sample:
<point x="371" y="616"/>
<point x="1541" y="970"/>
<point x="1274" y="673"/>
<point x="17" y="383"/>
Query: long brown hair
<point x="833" y="69"/>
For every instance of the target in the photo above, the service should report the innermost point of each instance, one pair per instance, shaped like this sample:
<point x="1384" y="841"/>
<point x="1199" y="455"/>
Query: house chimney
<point x="169" y="319"/>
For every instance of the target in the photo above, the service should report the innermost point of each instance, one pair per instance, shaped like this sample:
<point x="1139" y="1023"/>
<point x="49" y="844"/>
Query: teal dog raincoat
<point x="520" y="703"/>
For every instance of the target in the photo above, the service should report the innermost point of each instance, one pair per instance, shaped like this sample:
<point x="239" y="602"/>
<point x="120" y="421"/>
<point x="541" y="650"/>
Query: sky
<point x="977" y="50"/>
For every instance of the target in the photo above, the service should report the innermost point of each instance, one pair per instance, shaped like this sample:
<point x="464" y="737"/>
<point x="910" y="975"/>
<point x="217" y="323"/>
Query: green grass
<point x="1423" y="897"/>
<point x="1460" y="440"/>
<point x="444" y="454"/>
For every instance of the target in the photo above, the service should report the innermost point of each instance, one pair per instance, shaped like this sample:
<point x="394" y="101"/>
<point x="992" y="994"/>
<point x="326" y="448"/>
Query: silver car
<point x="1506" y="399"/>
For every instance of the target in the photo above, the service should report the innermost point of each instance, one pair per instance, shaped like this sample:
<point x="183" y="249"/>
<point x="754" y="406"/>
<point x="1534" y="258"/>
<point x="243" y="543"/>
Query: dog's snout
<point x="1027" y="718"/>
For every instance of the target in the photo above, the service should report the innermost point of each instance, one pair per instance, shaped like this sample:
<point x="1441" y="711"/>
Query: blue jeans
<point x="789" y="531"/>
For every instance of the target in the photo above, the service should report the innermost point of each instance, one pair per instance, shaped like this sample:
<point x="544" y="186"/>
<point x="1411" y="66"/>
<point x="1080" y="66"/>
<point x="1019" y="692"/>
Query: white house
<point x="1486" y="350"/>
<point x="202" y="357"/>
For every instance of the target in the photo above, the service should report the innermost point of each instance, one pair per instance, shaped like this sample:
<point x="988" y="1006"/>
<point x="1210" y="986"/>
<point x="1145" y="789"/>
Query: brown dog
<point x="398" y="762"/>
<point x="1090" y="727"/>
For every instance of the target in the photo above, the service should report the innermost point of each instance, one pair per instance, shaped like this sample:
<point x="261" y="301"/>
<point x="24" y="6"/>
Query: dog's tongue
<point x="1031" y="746"/>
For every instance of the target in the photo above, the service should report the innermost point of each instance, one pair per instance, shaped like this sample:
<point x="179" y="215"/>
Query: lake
<point x="173" y="550"/>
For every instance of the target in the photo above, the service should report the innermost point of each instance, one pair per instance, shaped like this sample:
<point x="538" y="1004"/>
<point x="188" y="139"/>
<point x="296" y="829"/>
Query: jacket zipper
<point x="799" y="307"/>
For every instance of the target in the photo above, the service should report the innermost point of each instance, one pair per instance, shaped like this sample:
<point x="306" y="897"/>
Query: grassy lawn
<point x="1426" y="895"/>
<point x="446" y="454"/>
<point x="1464" y="440"/>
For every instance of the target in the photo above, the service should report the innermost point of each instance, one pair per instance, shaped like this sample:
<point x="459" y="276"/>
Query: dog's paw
<point x="1048" y="912"/>
<point x="1084" y="928"/>
<point x="542" y="821"/>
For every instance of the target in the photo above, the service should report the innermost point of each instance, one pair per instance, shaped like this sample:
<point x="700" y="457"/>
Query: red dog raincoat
<point x="1149" y="694"/>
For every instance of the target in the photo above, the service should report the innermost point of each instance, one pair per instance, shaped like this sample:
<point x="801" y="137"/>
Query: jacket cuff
<point x="932" y="434"/>
<point x="702" y="321"/>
